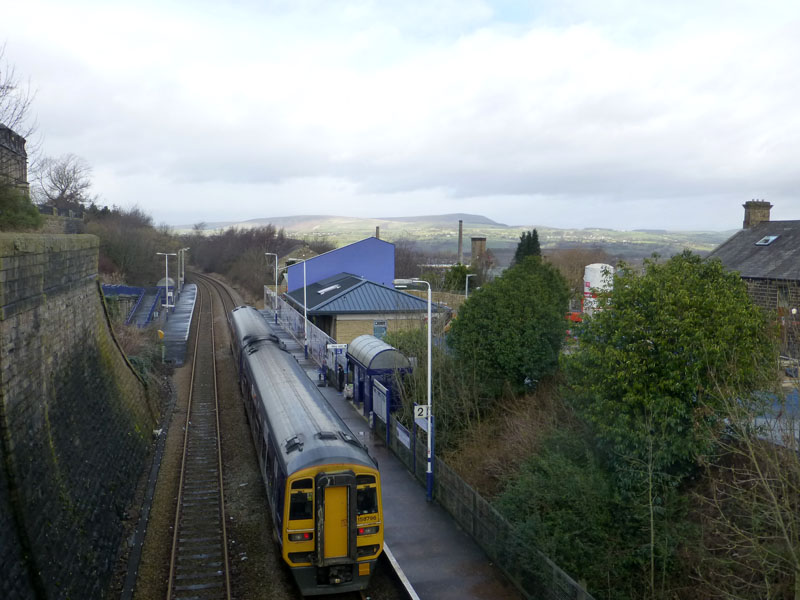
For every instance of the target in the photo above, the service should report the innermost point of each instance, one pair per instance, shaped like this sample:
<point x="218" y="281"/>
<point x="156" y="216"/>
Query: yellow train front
<point x="323" y="487"/>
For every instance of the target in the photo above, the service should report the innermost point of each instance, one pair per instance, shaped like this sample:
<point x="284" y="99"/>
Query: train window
<point x="301" y="506"/>
<point x="364" y="479"/>
<point x="303" y="484"/>
<point x="367" y="500"/>
<point x="270" y="467"/>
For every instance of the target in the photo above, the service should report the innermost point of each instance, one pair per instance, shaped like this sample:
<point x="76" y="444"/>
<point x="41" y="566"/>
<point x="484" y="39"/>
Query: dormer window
<point x="767" y="240"/>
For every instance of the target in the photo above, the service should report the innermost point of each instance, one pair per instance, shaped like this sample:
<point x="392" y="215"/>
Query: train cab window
<point x="303" y="484"/>
<point x="365" y="479"/>
<point x="301" y="506"/>
<point x="367" y="500"/>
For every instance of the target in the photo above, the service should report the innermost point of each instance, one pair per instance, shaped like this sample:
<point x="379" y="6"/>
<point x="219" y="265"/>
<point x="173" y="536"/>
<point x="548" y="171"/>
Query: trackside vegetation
<point x="17" y="213"/>
<point x="658" y="483"/>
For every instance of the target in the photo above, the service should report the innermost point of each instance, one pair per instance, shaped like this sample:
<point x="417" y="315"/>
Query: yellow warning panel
<point x="336" y="525"/>
<point x="363" y="568"/>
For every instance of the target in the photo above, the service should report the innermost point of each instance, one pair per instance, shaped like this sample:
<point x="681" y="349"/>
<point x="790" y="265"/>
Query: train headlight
<point x="305" y="536"/>
<point x="368" y="530"/>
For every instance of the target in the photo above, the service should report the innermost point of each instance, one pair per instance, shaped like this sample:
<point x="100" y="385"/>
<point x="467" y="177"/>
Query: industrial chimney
<point x="460" y="242"/>
<point x="478" y="247"/>
<point x="755" y="212"/>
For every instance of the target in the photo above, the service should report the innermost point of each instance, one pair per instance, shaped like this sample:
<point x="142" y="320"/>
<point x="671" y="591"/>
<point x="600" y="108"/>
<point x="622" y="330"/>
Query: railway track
<point x="199" y="566"/>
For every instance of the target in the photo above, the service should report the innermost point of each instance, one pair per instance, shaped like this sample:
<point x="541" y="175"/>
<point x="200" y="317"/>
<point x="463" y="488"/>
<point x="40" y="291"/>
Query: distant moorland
<point x="438" y="234"/>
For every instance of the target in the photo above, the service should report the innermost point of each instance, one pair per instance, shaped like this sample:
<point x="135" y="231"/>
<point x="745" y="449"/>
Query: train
<point x="324" y="488"/>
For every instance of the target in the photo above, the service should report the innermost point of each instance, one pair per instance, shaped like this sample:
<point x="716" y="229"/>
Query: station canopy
<point x="170" y="282"/>
<point x="376" y="356"/>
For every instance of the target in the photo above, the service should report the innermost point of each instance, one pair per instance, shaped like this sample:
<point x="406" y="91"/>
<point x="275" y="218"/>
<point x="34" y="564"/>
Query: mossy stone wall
<point x="75" y="422"/>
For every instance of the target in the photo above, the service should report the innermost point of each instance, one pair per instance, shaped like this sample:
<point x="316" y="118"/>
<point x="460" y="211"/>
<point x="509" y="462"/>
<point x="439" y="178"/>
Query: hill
<point x="438" y="234"/>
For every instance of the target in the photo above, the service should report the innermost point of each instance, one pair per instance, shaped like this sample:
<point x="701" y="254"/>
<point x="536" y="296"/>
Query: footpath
<point x="438" y="559"/>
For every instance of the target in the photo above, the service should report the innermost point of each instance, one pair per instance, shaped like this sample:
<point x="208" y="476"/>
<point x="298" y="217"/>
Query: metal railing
<point x="533" y="573"/>
<point x="292" y="321"/>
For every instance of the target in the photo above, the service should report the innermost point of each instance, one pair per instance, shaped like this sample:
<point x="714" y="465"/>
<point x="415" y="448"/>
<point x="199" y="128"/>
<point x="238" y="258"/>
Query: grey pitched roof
<point x="346" y="293"/>
<point x="780" y="259"/>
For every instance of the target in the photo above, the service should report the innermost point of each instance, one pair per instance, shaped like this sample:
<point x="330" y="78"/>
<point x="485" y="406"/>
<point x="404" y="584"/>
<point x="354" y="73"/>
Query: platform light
<point x="466" y="286"/>
<point x="403" y="283"/>
<point x="275" y="307"/>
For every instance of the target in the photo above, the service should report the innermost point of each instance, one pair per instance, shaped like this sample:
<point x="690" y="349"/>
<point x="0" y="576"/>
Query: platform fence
<point x="535" y="576"/>
<point x="292" y="322"/>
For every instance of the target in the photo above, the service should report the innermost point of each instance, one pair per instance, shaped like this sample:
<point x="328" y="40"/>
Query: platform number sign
<point x="421" y="411"/>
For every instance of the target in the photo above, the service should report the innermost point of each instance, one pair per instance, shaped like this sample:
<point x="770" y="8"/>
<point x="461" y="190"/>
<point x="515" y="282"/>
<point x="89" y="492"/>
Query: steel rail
<point x="191" y="563"/>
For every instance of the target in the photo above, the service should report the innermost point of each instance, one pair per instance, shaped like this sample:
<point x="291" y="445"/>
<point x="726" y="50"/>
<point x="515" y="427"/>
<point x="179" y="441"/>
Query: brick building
<point x="767" y="255"/>
<point x="346" y="306"/>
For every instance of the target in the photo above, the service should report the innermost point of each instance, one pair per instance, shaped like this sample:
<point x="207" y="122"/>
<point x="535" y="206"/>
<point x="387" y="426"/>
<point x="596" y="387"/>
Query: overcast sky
<point x="564" y="113"/>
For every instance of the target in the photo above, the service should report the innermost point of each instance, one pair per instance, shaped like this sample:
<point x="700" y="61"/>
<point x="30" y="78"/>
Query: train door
<point x="336" y="517"/>
<point x="335" y="524"/>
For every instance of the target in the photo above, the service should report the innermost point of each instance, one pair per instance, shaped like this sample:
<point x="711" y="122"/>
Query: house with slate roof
<point x="767" y="256"/>
<point x="346" y="306"/>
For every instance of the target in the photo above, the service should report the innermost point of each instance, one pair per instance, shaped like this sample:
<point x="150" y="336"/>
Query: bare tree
<point x="16" y="126"/>
<point x="751" y="521"/>
<point x="16" y="99"/>
<point x="571" y="263"/>
<point x="63" y="182"/>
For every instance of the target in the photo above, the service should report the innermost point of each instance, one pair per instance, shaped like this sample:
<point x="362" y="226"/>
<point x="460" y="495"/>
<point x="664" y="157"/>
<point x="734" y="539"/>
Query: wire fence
<point x="535" y="575"/>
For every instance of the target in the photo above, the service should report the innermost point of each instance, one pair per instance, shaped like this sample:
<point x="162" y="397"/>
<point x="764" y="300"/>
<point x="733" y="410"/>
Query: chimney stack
<point x="755" y="212"/>
<point x="460" y="242"/>
<point x="478" y="247"/>
<point x="378" y="231"/>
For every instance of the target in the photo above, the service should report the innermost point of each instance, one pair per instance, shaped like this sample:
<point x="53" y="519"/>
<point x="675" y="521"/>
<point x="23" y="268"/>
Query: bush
<point x="16" y="210"/>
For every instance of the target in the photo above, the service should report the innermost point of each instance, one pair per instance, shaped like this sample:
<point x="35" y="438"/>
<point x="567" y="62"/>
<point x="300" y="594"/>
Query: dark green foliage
<point x="510" y="332"/>
<point x="651" y="372"/>
<point x="455" y="278"/>
<point x="16" y="210"/>
<point x="563" y="503"/>
<point x="528" y="246"/>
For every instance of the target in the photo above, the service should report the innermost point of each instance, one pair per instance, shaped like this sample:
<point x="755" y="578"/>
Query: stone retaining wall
<point x="75" y="422"/>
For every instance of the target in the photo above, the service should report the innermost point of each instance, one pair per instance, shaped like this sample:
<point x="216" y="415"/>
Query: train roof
<point x="249" y="325"/>
<point x="307" y="430"/>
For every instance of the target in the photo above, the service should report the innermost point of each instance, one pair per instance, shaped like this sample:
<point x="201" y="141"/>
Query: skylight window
<point x="766" y="240"/>
<point x="330" y="288"/>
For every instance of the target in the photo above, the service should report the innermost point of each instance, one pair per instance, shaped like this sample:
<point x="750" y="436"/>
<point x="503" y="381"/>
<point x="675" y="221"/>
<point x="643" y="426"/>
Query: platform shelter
<point x="374" y="364"/>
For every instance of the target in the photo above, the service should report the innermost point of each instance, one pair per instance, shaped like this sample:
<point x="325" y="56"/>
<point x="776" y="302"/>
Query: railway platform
<point x="177" y="325"/>
<point x="439" y="560"/>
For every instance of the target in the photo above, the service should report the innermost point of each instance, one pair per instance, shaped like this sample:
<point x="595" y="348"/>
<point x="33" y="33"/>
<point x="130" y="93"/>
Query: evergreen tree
<point x="510" y="332"/>
<point x="528" y="246"/>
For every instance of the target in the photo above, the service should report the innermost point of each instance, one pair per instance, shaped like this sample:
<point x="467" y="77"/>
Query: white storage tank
<point x="597" y="276"/>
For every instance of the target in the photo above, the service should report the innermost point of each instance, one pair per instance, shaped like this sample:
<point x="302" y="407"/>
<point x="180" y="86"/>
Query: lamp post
<point x="429" y="472"/>
<point x="166" y="256"/>
<point x="305" y="313"/>
<point x="182" y="267"/>
<point x="466" y="286"/>
<point x="275" y="303"/>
